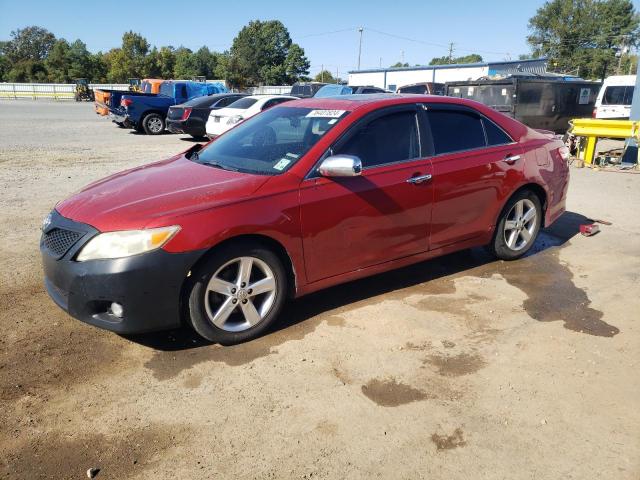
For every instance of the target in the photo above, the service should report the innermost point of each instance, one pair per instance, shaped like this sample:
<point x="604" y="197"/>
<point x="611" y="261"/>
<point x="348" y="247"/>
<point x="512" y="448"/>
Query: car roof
<point x="269" y="96"/>
<point x="379" y="100"/>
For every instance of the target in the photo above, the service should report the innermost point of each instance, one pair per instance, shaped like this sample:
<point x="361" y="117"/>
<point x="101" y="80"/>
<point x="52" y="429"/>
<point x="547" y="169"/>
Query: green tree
<point x="472" y="58"/>
<point x="129" y="61"/>
<point x="186" y="65"/>
<point x="99" y="68"/>
<point x="26" y="51"/>
<point x="326" y="77"/>
<point x="57" y="62"/>
<point x="399" y="65"/>
<point x="80" y="64"/>
<point x="296" y="64"/>
<point x="583" y="35"/>
<point x="263" y="53"/>
<point x="4" y="66"/>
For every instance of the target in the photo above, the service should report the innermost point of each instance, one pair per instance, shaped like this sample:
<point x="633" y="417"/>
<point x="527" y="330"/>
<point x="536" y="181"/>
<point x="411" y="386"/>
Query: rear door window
<point x="495" y="135"/>
<point x="388" y="139"/>
<point x="226" y="101"/>
<point x="455" y="130"/>
<point x="243" y="103"/>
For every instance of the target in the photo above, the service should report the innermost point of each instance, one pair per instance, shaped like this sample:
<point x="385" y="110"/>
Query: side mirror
<point x="340" y="166"/>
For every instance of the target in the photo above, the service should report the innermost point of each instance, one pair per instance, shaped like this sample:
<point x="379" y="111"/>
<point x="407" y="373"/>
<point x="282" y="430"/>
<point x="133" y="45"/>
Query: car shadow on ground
<point x="299" y="310"/>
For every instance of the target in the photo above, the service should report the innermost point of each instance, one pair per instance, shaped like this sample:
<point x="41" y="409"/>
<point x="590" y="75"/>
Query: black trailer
<point x="540" y="102"/>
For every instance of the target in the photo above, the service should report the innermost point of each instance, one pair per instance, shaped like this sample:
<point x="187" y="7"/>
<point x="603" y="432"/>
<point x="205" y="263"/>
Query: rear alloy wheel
<point x="153" y="124"/>
<point x="518" y="227"/>
<point x="237" y="294"/>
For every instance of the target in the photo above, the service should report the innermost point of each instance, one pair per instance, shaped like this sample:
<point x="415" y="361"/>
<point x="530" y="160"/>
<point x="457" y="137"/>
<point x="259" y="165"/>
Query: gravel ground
<point x="462" y="367"/>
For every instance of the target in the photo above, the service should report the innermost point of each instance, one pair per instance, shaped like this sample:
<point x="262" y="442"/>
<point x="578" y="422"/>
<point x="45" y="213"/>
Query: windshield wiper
<point x="219" y="165"/>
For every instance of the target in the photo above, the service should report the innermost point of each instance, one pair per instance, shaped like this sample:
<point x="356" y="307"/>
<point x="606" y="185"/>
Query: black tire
<point x="500" y="246"/>
<point x="153" y="124"/>
<point x="197" y="294"/>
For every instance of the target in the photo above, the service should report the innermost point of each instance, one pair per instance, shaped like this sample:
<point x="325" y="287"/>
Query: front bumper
<point x="147" y="286"/>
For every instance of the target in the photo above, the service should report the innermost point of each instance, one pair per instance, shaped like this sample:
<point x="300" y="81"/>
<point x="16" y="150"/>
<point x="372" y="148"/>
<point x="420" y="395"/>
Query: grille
<point x="58" y="240"/>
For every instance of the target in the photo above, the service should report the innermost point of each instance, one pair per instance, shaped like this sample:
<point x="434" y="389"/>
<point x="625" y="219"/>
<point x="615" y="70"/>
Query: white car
<point x="614" y="99"/>
<point x="222" y="120"/>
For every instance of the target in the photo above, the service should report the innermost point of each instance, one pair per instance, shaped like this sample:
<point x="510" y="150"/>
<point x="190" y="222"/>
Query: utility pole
<point x="360" y="46"/>
<point x="451" y="52"/>
<point x="402" y="57"/>
<point x="322" y="73"/>
<point x="622" y="50"/>
<point x="380" y="62"/>
<point x="631" y="150"/>
<point x="337" y="74"/>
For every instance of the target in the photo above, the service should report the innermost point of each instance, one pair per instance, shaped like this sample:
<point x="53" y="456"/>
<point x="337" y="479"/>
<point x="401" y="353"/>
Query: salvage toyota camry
<point x="301" y="197"/>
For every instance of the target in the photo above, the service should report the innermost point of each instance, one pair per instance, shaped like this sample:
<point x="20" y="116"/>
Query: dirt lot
<point x="463" y="367"/>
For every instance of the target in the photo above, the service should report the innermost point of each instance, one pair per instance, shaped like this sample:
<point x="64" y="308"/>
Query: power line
<point x="328" y="33"/>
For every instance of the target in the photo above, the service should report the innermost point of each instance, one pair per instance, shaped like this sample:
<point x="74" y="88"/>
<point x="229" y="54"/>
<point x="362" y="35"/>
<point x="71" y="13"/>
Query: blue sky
<point x="415" y="30"/>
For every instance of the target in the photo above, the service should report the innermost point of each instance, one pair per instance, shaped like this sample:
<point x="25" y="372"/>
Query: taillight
<point x="125" y="102"/>
<point x="594" y="113"/>
<point x="564" y="153"/>
<point x="185" y="113"/>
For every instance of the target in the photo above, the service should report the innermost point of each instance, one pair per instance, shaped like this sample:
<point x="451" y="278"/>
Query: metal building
<point x="392" y="78"/>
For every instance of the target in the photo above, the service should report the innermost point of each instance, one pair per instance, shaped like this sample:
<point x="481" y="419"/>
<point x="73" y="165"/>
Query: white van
<point x="614" y="99"/>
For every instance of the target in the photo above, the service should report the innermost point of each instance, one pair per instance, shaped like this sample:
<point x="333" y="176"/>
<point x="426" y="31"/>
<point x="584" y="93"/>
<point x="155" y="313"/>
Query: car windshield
<point x="243" y="103"/>
<point x="332" y="91"/>
<point x="271" y="142"/>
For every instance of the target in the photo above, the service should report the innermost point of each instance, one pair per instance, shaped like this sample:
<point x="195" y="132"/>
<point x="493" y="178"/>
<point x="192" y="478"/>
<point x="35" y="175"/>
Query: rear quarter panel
<point x="545" y="167"/>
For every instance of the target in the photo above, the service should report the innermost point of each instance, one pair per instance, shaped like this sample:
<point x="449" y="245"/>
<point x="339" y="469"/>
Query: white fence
<point x="57" y="91"/>
<point x="270" y="90"/>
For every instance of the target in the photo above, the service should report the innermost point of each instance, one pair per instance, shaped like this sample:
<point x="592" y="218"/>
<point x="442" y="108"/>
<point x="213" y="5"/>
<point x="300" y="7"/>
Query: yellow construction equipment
<point x="594" y="128"/>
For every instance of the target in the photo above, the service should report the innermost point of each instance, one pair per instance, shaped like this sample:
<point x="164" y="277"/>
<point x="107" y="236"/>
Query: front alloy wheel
<point x="237" y="293"/>
<point x="240" y="294"/>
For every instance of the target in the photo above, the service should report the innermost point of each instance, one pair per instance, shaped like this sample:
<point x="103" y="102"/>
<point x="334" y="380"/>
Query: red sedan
<point x="304" y="196"/>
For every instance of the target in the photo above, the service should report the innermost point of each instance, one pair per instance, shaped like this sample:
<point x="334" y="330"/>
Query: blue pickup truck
<point x="148" y="112"/>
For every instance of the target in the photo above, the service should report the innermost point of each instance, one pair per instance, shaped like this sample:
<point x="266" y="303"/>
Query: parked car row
<point x="197" y="108"/>
<point x="146" y="110"/>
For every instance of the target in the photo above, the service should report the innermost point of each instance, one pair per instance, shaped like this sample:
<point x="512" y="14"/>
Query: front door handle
<point x="419" y="179"/>
<point x="511" y="159"/>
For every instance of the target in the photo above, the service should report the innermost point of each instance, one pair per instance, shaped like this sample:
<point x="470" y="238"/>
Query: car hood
<point x="155" y="194"/>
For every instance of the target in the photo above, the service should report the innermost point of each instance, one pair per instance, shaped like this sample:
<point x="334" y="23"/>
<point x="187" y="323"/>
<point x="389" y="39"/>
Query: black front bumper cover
<point x="148" y="286"/>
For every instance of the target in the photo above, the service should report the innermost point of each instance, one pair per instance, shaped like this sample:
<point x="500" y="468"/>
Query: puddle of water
<point x="552" y="295"/>
<point x="456" y="365"/>
<point x="390" y="393"/>
<point x="449" y="442"/>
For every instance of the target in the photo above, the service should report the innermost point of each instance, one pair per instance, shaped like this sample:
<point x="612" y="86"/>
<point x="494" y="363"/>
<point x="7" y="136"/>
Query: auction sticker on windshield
<point x="325" y="113"/>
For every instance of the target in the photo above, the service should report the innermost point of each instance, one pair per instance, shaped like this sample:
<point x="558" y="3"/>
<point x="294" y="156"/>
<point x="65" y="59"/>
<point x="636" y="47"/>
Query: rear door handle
<point x="419" y="179"/>
<point x="511" y="159"/>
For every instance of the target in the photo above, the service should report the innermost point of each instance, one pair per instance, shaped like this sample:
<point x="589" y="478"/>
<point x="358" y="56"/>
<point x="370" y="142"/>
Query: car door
<point x="473" y="158"/>
<point x="349" y="223"/>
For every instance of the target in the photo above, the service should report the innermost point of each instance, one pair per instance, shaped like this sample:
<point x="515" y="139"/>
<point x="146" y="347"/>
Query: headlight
<point x="47" y="221"/>
<point x="126" y="243"/>
<point x="234" y="119"/>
